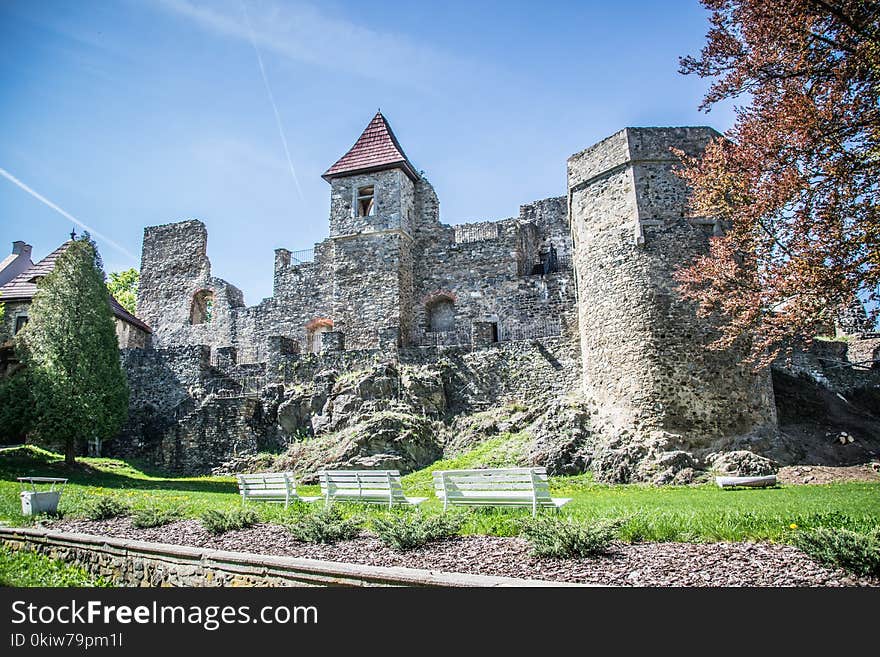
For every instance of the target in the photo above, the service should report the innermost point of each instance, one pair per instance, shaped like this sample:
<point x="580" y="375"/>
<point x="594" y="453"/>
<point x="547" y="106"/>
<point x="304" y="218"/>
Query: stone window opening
<point x="366" y="206"/>
<point x="202" y="310"/>
<point x="20" y="323"/>
<point x="441" y="314"/>
<point x="314" y="329"/>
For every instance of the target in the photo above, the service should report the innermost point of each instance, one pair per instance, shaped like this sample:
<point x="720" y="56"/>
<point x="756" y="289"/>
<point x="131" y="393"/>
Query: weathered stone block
<point x="389" y="338"/>
<point x="225" y="357"/>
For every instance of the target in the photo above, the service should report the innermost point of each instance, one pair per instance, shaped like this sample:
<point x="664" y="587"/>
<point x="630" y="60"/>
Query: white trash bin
<point x="33" y="503"/>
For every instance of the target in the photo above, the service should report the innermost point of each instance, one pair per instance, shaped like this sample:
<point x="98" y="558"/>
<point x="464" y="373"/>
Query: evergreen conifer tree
<point x="69" y="347"/>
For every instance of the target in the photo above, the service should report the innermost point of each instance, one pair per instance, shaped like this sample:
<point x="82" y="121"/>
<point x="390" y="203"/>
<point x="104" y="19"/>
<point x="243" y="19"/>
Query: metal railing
<point x="465" y="233"/>
<point x="506" y="333"/>
<point x="248" y="386"/>
<point x="541" y="329"/>
<point x="251" y="355"/>
<point x="302" y="257"/>
<point x="563" y="264"/>
<point x="422" y="338"/>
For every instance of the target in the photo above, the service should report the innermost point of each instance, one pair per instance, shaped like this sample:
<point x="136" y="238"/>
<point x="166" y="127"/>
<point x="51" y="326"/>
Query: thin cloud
<point x="300" y="32"/>
<point x="42" y="199"/>
<point x="271" y="100"/>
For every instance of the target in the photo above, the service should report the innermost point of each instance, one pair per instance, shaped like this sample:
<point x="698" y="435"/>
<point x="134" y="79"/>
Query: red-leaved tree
<point x="796" y="180"/>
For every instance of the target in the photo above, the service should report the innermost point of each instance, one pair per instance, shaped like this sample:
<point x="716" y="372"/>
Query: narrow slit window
<point x="20" y="322"/>
<point x="366" y="206"/>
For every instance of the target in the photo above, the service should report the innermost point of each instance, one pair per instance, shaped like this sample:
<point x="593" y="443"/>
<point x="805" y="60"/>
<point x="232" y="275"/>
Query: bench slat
<point x="493" y="471"/>
<point x="527" y="487"/>
<point x="369" y="486"/>
<point x="488" y="485"/>
<point x="269" y="487"/>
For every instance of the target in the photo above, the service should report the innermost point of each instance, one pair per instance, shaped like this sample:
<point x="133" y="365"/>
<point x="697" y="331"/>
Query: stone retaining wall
<point x="139" y="563"/>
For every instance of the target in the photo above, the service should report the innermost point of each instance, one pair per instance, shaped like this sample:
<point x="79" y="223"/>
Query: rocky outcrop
<point x="384" y="417"/>
<point x="562" y="441"/>
<point x="401" y="415"/>
<point x="382" y="440"/>
<point x="742" y="463"/>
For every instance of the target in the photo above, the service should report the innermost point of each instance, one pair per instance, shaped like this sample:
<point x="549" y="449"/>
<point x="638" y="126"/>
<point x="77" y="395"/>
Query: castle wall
<point x="174" y="269"/>
<point x="371" y="285"/>
<point x="394" y="198"/>
<point x="486" y="267"/>
<point x="188" y="415"/>
<point x="646" y="362"/>
<point x="303" y="295"/>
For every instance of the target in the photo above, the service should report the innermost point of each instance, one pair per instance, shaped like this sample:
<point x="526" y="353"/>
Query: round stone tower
<point x="647" y="370"/>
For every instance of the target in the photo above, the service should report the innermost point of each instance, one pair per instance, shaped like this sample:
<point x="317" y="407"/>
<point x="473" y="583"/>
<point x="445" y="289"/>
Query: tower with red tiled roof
<point x="376" y="149"/>
<point x="372" y="185"/>
<point x="372" y="215"/>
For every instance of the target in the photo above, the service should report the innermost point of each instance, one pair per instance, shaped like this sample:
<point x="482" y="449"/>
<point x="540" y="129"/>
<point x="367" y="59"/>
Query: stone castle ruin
<point x="399" y="339"/>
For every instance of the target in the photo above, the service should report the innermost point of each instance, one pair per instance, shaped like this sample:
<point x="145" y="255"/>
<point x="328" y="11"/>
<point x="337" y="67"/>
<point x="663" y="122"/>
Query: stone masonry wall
<point x="146" y="564"/>
<point x="645" y="358"/>
<point x="14" y="310"/>
<point x="174" y="268"/>
<point x="393" y="198"/>
<point x="372" y="285"/>
<point x="371" y="274"/>
<point x="489" y="277"/>
<point x="188" y="415"/>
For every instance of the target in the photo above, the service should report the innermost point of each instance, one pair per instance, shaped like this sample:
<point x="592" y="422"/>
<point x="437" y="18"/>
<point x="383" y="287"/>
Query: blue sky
<point x="130" y="113"/>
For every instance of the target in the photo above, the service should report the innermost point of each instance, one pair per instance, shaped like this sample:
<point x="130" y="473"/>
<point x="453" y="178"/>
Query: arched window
<point x="441" y="314"/>
<point x="314" y="329"/>
<point x="202" y="310"/>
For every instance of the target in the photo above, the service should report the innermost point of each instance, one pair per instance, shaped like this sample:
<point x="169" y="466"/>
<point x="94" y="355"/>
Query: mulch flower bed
<point x="641" y="564"/>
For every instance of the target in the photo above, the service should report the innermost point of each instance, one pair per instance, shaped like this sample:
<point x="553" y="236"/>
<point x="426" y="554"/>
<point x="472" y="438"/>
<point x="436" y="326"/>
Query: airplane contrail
<point x="15" y="181"/>
<point x="271" y="100"/>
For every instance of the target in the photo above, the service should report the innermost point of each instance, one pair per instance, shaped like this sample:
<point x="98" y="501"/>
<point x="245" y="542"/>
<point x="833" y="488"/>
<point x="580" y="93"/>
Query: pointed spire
<point x="73" y="233"/>
<point x="376" y="149"/>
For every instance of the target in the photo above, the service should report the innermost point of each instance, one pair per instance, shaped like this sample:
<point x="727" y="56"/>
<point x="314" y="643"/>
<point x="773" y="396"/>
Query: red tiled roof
<point x="24" y="286"/>
<point x="377" y="148"/>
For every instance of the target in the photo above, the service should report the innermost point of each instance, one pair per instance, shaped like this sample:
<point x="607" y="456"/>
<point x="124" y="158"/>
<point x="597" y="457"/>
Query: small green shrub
<point x="154" y="517"/>
<point x="220" y="522"/>
<point x="406" y="532"/>
<point x="568" y="537"/>
<point x="325" y="526"/>
<point x="106" y="507"/>
<point x="856" y="552"/>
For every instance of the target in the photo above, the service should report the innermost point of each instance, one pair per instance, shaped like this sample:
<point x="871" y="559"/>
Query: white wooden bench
<point x="496" y="487"/>
<point x="749" y="482"/>
<point x="370" y="486"/>
<point x="270" y="487"/>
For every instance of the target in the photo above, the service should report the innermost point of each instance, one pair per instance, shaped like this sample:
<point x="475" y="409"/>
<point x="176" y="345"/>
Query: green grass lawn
<point x="696" y="513"/>
<point x="26" y="568"/>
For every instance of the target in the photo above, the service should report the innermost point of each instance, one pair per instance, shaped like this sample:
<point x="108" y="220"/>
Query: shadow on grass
<point x="20" y="462"/>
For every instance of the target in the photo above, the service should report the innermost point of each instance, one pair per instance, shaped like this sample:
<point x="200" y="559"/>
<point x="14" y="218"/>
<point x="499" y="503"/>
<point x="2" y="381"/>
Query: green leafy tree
<point x="123" y="285"/>
<point x="15" y="401"/>
<point x="69" y="347"/>
<point x="797" y="181"/>
<point x="16" y="407"/>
